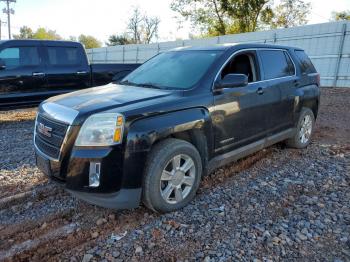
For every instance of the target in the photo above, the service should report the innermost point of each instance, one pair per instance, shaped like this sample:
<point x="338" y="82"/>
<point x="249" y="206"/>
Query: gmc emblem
<point x="45" y="130"/>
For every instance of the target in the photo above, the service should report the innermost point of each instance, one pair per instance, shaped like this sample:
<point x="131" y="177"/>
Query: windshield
<point x="173" y="70"/>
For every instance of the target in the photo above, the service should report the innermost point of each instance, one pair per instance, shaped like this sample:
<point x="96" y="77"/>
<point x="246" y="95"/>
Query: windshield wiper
<point x="147" y="85"/>
<point x="127" y="82"/>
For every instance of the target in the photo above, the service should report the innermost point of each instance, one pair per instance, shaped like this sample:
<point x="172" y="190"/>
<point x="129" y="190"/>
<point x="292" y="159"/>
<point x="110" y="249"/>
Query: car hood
<point x="107" y="97"/>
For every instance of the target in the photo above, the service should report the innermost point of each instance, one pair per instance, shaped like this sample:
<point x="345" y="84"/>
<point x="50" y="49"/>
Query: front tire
<point x="172" y="175"/>
<point x="305" y="128"/>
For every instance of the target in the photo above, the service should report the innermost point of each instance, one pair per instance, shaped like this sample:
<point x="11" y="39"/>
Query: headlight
<point x="101" y="130"/>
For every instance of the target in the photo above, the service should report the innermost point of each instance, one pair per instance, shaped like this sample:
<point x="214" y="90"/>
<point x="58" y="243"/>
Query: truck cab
<point x="34" y="70"/>
<point x="151" y="137"/>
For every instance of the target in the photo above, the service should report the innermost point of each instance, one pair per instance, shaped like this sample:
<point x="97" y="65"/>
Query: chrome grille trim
<point x="58" y="113"/>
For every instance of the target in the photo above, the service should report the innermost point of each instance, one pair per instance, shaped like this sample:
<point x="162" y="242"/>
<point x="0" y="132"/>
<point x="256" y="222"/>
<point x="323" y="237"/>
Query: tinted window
<point x="63" y="55"/>
<point x="14" y="57"/>
<point x="306" y="65"/>
<point x="275" y="64"/>
<point x="177" y="70"/>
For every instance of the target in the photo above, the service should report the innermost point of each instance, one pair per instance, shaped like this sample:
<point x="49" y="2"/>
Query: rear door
<point x="22" y="79"/>
<point x="66" y="67"/>
<point x="239" y="115"/>
<point x="280" y="81"/>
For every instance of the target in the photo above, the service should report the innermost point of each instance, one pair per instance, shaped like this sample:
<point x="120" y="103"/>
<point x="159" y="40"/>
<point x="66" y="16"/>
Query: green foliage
<point x="220" y="17"/>
<point x="45" y="34"/>
<point x="290" y="13"/>
<point x="343" y="15"/>
<point x="89" y="41"/>
<point x="25" y="32"/>
<point x="118" y="40"/>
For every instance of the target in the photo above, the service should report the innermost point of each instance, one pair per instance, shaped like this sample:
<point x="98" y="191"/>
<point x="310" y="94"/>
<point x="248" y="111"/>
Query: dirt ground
<point x="39" y="221"/>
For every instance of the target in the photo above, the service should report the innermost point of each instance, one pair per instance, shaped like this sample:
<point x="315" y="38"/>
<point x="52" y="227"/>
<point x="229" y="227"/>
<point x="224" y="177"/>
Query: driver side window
<point x="16" y="57"/>
<point x="242" y="63"/>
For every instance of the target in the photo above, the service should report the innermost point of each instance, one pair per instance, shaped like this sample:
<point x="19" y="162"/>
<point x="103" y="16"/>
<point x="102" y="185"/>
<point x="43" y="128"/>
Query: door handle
<point x="38" y="74"/>
<point x="81" y="72"/>
<point x="296" y="83"/>
<point x="260" y="91"/>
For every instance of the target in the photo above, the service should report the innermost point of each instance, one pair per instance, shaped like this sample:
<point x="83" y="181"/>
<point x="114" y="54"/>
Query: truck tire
<point x="304" y="129"/>
<point x="172" y="175"/>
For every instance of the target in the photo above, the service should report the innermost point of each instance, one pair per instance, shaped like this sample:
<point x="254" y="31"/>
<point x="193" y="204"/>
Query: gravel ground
<point x="278" y="204"/>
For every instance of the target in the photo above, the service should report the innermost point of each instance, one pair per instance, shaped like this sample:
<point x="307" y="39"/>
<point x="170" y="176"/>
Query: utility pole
<point x="9" y="11"/>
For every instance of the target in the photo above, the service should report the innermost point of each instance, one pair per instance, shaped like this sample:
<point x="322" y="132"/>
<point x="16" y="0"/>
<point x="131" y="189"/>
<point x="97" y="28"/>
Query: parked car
<point x="33" y="70"/>
<point x="175" y="119"/>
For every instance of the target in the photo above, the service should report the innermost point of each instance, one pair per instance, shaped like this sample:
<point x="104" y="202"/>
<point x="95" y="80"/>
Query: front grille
<point x="50" y="145"/>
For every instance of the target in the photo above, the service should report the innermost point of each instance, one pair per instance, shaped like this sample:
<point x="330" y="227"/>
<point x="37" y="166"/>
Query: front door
<point x="240" y="113"/>
<point x="22" y="75"/>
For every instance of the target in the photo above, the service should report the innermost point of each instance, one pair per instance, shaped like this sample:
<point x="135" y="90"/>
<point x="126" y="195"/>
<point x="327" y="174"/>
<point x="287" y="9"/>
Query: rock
<point x="87" y="257"/>
<point x="111" y="216"/>
<point x="94" y="234"/>
<point x="207" y="259"/>
<point x="101" y="221"/>
<point x="301" y="236"/>
<point x="138" y="249"/>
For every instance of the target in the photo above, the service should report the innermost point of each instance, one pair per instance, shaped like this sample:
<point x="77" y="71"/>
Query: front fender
<point x="143" y="133"/>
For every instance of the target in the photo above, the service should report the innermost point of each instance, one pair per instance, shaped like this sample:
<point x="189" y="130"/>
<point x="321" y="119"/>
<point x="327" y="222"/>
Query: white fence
<point x="328" y="45"/>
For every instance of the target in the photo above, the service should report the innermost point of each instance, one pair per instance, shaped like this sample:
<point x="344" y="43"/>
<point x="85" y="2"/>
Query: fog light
<point x="94" y="174"/>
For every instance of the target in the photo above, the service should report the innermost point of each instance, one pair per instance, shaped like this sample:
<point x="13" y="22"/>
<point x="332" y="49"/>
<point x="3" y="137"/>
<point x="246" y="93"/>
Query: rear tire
<point x="304" y="130"/>
<point x="172" y="175"/>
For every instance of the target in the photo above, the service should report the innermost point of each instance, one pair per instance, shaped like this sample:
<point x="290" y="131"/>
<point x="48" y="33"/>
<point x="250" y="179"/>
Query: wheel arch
<point x="191" y="125"/>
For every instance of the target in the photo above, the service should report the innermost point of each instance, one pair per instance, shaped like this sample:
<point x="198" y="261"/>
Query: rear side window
<point x="14" y="57"/>
<point x="63" y="55"/>
<point x="276" y="63"/>
<point x="305" y="62"/>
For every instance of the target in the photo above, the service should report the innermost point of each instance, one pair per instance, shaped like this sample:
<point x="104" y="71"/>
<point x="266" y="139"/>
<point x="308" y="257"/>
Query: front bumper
<point x="117" y="189"/>
<point x="123" y="199"/>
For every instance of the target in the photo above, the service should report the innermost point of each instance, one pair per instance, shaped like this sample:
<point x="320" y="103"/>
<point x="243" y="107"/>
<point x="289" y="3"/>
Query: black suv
<point x="174" y="119"/>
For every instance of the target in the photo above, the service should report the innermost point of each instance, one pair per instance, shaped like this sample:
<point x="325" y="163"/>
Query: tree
<point x="25" y="32"/>
<point x="134" y="25"/>
<point x="220" y="17"/>
<point x="343" y="15"/>
<point x="150" y="28"/>
<point x="46" y="34"/>
<point x="290" y="13"/>
<point x="118" y="40"/>
<point x="208" y="15"/>
<point x="246" y="14"/>
<point x="89" y="41"/>
<point x="142" y="28"/>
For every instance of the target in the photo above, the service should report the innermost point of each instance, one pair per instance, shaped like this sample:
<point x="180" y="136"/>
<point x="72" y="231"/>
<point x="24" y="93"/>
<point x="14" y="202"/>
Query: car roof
<point x="24" y="41"/>
<point x="232" y="46"/>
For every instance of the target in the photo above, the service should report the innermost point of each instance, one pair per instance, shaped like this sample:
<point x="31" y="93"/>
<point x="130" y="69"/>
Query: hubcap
<point x="177" y="179"/>
<point x="305" y="129"/>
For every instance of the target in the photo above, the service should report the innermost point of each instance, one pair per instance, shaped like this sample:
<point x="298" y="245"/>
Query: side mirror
<point x="2" y="64"/>
<point x="232" y="80"/>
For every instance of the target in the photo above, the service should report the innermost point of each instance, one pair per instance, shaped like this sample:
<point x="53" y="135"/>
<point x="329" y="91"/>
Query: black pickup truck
<point x="33" y="70"/>
<point x="174" y="119"/>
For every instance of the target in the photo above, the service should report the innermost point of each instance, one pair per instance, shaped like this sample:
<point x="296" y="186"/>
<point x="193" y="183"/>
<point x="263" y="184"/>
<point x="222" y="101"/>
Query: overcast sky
<point x="102" y="18"/>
